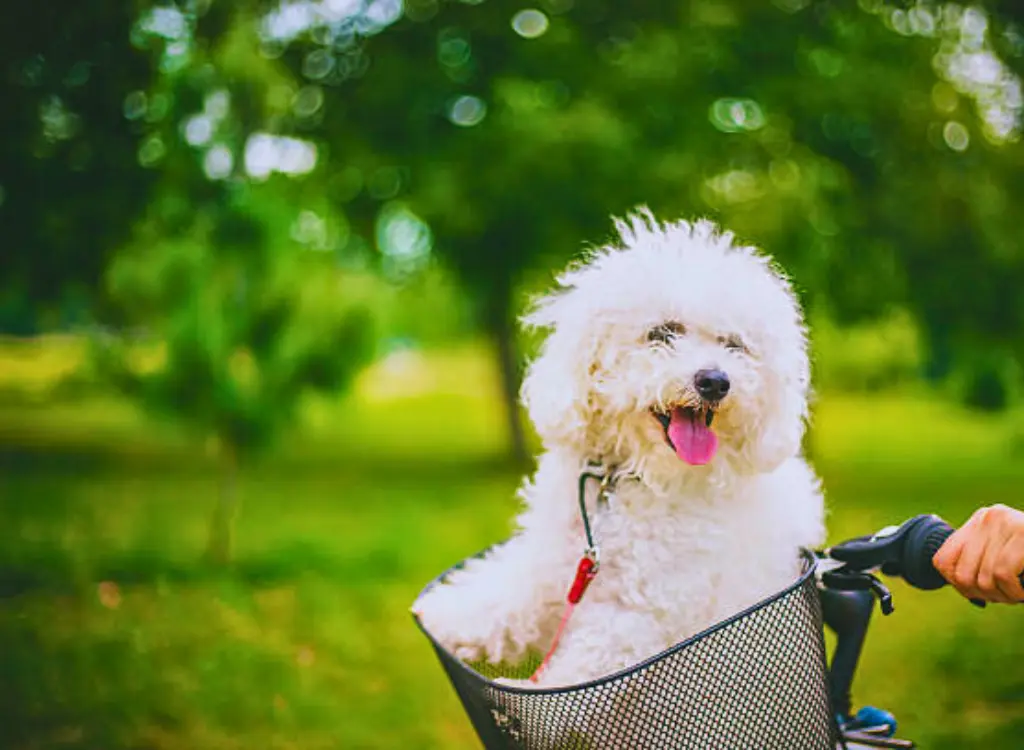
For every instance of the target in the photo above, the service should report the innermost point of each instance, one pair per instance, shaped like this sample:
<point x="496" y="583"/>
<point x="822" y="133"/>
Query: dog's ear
<point x="557" y="384"/>
<point x="778" y="435"/>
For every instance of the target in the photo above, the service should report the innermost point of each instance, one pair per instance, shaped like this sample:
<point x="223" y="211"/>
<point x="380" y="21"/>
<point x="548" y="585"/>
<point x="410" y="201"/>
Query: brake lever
<point x="883" y="551"/>
<point x="844" y="579"/>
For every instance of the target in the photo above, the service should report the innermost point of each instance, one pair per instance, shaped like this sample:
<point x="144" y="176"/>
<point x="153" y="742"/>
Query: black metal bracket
<point x="844" y="579"/>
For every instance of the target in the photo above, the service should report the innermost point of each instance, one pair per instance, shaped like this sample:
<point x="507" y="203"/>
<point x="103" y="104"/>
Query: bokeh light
<point x="467" y="111"/>
<point x="198" y="130"/>
<point x="135" y="105"/>
<point x="530" y="23"/>
<point x="151" y="151"/>
<point x="403" y="238"/>
<point x="308" y="101"/>
<point x="318" y="64"/>
<point x="218" y="162"/>
<point x="266" y="153"/>
<point x="736" y="115"/>
<point x="310" y="229"/>
<point x="956" y="136"/>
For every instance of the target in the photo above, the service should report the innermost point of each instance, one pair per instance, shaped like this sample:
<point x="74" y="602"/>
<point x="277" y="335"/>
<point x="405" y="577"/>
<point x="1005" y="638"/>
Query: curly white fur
<point x="682" y="546"/>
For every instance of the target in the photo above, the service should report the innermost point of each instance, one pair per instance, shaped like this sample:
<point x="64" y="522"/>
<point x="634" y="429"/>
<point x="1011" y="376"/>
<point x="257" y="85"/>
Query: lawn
<point x="114" y="635"/>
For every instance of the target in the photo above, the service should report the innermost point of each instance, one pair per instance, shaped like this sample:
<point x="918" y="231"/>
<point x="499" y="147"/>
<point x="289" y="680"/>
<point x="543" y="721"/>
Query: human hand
<point x="984" y="558"/>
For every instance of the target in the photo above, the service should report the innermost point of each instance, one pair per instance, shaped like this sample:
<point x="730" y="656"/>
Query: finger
<point x="994" y="582"/>
<point x="965" y="573"/>
<point x="1009" y="568"/>
<point x="1010" y="563"/>
<point x="990" y="583"/>
<point x="946" y="558"/>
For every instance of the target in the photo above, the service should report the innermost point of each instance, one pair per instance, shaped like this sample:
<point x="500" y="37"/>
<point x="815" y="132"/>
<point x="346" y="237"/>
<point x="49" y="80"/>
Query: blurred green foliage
<point x="243" y="326"/>
<point x="873" y="148"/>
<point x="66" y="70"/>
<point x="243" y="323"/>
<point x="858" y="144"/>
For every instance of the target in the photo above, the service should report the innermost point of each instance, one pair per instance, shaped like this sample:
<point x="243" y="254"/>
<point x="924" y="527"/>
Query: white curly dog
<point x="676" y="360"/>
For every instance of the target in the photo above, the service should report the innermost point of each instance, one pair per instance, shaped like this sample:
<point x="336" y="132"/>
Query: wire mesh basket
<point x="757" y="680"/>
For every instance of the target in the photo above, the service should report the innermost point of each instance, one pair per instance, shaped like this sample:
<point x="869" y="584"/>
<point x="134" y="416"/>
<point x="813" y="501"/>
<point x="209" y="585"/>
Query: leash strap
<point x="582" y="495"/>
<point x="586" y="569"/>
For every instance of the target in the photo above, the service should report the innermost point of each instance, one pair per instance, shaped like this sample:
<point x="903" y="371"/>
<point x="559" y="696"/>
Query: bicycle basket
<point x="757" y="680"/>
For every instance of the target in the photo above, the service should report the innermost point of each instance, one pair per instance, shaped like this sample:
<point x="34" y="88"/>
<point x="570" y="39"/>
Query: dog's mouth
<point x="688" y="432"/>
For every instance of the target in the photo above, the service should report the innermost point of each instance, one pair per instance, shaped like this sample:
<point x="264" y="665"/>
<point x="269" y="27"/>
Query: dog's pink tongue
<point x="694" y="442"/>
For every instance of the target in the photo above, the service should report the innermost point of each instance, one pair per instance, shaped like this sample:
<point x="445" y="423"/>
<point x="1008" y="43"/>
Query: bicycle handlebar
<point x="905" y="551"/>
<point x="849" y="587"/>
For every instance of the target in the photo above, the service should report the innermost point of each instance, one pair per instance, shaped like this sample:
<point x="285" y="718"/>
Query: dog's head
<point x="674" y="350"/>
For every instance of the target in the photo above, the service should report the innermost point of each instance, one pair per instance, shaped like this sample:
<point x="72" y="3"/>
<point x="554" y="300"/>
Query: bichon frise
<point x="676" y="362"/>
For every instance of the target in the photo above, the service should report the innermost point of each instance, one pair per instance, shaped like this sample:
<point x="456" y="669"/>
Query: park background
<point x="260" y="269"/>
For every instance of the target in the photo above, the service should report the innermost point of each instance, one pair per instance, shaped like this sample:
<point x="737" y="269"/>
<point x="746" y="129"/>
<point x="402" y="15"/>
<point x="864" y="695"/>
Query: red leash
<point x="586" y="570"/>
<point x="585" y="573"/>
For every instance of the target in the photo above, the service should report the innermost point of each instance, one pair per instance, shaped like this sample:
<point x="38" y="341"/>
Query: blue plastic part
<point x="869" y="717"/>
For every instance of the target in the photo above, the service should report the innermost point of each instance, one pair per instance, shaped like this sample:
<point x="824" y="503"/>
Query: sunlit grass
<point x="915" y="431"/>
<point x="33" y="366"/>
<point x="115" y="634"/>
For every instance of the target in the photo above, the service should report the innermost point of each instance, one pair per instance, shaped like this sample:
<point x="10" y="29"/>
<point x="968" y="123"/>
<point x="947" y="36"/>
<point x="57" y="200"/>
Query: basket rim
<point x="807" y="555"/>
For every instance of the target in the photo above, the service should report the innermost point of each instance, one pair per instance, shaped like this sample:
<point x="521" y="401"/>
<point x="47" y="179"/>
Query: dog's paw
<point x="450" y="619"/>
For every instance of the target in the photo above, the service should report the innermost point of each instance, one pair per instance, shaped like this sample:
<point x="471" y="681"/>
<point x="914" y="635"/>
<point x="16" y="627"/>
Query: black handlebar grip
<point x="923" y="541"/>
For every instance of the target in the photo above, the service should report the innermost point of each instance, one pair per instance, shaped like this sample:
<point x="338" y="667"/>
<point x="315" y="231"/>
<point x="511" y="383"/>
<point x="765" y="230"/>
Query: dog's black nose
<point x="712" y="385"/>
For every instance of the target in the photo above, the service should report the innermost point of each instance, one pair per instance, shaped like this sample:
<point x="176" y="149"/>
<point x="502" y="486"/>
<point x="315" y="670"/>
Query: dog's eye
<point x="664" y="333"/>
<point x="733" y="344"/>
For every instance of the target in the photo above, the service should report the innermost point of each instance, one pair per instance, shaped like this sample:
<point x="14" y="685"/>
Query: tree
<point x="451" y="113"/>
<point x="823" y="132"/>
<point x="859" y="146"/>
<point x="236" y="282"/>
<point x="244" y="325"/>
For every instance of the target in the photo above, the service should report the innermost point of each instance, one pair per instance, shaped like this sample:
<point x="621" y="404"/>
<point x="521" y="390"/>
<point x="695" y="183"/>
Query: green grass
<point x="113" y="634"/>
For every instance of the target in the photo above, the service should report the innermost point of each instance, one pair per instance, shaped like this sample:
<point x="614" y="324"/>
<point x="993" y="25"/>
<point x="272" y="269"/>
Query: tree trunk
<point x="219" y="551"/>
<point x="501" y="329"/>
